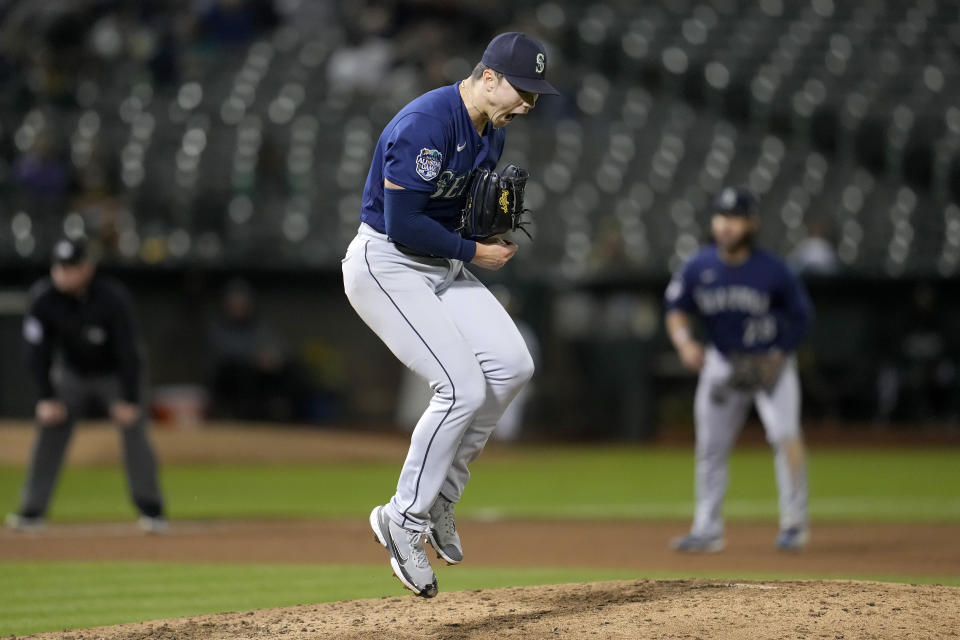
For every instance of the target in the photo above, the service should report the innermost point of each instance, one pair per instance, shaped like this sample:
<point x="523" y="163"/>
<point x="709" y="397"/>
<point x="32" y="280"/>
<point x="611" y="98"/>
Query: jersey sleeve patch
<point x="32" y="330"/>
<point x="429" y="163"/>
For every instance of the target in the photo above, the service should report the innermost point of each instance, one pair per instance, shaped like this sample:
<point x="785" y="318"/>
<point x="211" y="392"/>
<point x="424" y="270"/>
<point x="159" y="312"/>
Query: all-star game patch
<point x="428" y="163"/>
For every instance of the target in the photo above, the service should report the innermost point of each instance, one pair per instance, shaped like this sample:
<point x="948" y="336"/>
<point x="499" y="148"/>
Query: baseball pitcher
<point x="754" y="312"/>
<point x="433" y="202"/>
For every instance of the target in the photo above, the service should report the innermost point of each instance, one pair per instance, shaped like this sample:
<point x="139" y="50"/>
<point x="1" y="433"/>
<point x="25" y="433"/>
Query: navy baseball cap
<point x="69" y="251"/>
<point x="522" y="60"/>
<point x="735" y="201"/>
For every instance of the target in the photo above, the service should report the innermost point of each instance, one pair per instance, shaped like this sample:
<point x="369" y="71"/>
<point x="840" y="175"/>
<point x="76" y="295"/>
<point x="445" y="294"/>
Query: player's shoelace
<point x="446" y="523"/>
<point x="417" y="553"/>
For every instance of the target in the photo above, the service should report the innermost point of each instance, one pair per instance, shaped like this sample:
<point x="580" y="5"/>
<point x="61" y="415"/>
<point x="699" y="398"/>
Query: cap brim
<point x="532" y="85"/>
<point x="734" y="212"/>
<point x="72" y="260"/>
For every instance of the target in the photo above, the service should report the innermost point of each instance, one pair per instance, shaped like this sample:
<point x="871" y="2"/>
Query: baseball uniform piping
<point x="453" y="388"/>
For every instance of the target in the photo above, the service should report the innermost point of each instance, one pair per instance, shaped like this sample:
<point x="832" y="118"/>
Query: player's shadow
<point x="566" y="605"/>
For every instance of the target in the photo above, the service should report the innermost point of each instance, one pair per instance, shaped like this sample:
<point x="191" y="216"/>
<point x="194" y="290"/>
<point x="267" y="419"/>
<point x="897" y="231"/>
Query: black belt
<point x="414" y="253"/>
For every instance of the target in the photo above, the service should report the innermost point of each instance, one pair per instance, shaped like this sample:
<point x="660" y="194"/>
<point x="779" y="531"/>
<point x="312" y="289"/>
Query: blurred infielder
<point x="755" y="313"/>
<point x="431" y="204"/>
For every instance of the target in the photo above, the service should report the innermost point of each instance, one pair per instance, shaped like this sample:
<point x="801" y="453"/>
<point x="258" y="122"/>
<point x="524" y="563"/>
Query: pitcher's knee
<point x="526" y="368"/>
<point x="467" y="390"/>
<point x="518" y="369"/>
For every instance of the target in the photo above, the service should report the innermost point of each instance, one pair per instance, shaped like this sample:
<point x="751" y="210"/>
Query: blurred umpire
<point x="84" y="352"/>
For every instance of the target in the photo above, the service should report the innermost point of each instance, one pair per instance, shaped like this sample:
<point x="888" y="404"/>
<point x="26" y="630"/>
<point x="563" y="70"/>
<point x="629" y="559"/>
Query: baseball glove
<point x="494" y="203"/>
<point x="755" y="371"/>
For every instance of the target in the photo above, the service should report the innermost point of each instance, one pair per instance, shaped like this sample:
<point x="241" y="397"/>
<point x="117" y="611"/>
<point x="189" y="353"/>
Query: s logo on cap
<point x="63" y="250"/>
<point x="728" y="198"/>
<point x="541" y="63"/>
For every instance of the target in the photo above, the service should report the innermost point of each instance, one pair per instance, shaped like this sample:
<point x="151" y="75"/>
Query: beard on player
<point x="734" y="235"/>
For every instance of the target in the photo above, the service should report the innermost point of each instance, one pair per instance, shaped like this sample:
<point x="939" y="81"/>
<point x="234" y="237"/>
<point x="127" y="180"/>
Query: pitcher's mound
<point x="625" y="609"/>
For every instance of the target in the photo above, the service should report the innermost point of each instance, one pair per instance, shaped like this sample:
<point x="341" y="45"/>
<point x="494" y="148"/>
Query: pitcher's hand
<point x="494" y="253"/>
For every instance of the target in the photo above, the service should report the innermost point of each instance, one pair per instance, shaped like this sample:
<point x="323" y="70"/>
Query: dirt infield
<point x="835" y="550"/>
<point x="611" y="610"/>
<point x="97" y="443"/>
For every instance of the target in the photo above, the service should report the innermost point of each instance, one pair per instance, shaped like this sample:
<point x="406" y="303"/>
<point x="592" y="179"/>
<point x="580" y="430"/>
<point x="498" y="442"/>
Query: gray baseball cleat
<point x="793" y="539"/>
<point x="408" y="558"/>
<point x="153" y="525"/>
<point x="443" y="536"/>
<point x="691" y="543"/>
<point x="26" y="524"/>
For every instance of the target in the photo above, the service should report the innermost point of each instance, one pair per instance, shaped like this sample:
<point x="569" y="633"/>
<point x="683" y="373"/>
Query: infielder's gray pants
<point x="140" y="463"/>
<point x="719" y="414"/>
<point x="446" y="326"/>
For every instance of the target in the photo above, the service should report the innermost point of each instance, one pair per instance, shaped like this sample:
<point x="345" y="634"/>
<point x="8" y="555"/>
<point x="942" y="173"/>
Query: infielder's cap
<point x="69" y="251"/>
<point x="522" y="60"/>
<point x="735" y="201"/>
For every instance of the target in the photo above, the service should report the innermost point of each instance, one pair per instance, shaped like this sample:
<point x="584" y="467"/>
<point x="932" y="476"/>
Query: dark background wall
<point x="605" y="369"/>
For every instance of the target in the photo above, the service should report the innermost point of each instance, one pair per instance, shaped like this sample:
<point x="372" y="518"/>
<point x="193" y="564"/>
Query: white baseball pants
<point x="444" y="325"/>
<point x="719" y="414"/>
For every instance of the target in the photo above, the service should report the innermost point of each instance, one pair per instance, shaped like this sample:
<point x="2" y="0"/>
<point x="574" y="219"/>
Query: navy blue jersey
<point x="430" y="146"/>
<point x="753" y="306"/>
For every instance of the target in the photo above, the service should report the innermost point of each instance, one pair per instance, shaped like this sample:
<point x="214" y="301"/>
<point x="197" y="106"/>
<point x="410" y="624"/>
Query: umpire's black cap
<point x="735" y="201"/>
<point x="522" y="60"/>
<point x="70" y="251"/>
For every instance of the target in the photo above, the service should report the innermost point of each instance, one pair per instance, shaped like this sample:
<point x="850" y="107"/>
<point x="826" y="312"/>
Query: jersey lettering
<point x="732" y="298"/>
<point x="449" y="185"/>
<point x="457" y="187"/>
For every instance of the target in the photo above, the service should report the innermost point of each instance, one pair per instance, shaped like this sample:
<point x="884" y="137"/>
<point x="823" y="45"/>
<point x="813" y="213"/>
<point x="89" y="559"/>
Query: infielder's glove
<point x="755" y="371"/>
<point x="494" y="203"/>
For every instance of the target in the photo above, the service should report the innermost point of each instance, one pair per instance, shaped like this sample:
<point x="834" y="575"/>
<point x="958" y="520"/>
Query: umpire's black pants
<point x="140" y="462"/>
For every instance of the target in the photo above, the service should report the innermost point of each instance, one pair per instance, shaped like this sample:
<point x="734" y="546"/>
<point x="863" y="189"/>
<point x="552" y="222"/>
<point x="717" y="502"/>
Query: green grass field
<point x="915" y="485"/>
<point x="918" y="485"/>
